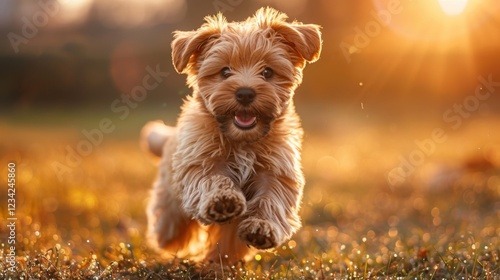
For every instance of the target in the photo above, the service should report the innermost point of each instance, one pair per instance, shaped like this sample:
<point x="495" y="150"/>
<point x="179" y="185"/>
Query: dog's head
<point x="246" y="72"/>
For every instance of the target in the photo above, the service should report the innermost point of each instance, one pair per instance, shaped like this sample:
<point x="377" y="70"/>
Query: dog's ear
<point x="305" y="39"/>
<point x="187" y="45"/>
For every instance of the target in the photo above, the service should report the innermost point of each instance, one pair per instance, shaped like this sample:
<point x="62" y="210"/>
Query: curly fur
<point x="223" y="190"/>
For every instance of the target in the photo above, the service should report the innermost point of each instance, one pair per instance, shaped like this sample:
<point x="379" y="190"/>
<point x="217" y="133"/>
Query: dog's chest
<point x="241" y="163"/>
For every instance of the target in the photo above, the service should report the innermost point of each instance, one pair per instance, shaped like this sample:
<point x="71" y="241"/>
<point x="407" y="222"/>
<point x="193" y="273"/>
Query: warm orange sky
<point x="378" y="51"/>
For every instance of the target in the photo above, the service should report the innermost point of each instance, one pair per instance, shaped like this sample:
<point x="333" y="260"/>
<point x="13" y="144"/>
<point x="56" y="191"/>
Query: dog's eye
<point x="225" y="72"/>
<point x="268" y="73"/>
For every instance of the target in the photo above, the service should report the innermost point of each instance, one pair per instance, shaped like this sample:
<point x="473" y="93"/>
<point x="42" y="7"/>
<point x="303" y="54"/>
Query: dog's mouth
<point x="245" y="120"/>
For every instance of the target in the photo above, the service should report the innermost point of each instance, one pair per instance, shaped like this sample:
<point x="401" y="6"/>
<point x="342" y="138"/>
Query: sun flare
<point x="453" y="7"/>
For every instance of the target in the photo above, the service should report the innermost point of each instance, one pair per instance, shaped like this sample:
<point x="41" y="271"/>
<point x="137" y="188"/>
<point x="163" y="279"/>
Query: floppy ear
<point x="187" y="45"/>
<point x="305" y="39"/>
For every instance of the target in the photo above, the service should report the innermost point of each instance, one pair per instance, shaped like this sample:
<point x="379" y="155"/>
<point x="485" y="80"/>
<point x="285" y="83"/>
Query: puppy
<point x="230" y="177"/>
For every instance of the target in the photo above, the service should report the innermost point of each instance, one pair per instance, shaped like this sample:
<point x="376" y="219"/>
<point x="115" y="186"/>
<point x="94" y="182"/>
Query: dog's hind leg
<point x="224" y="244"/>
<point x="169" y="227"/>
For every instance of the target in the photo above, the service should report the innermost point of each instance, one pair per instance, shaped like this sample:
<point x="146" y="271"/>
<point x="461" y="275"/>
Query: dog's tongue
<point x="244" y="119"/>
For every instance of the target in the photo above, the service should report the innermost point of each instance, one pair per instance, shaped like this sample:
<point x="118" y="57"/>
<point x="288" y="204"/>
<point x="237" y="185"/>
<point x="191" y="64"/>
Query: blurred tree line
<point x="89" y="54"/>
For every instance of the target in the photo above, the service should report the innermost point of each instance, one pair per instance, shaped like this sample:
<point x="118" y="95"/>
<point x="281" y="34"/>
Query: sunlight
<point x="131" y="13"/>
<point x="74" y="12"/>
<point x="438" y="36"/>
<point x="453" y="7"/>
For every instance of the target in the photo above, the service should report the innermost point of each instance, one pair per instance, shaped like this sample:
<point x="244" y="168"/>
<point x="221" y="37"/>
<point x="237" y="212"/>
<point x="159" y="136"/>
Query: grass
<point x="441" y="223"/>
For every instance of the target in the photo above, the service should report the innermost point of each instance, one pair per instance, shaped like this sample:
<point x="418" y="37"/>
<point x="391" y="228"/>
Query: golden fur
<point x="226" y="184"/>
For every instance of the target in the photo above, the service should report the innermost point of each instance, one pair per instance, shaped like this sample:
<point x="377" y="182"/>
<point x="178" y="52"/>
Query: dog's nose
<point x="245" y="95"/>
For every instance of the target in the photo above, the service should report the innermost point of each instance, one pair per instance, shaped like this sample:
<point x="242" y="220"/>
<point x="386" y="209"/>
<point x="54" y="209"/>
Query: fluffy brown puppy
<point x="230" y="177"/>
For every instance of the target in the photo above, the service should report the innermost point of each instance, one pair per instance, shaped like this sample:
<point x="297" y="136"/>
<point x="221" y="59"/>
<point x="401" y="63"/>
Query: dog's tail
<point x="154" y="135"/>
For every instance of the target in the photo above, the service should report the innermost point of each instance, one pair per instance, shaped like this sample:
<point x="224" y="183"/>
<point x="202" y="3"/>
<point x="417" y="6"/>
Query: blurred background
<point x="394" y="56"/>
<point x="405" y="96"/>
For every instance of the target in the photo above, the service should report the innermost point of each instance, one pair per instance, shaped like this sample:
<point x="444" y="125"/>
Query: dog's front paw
<point x="260" y="234"/>
<point x="223" y="203"/>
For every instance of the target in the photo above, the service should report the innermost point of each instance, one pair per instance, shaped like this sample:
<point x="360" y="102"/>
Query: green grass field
<point x="87" y="221"/>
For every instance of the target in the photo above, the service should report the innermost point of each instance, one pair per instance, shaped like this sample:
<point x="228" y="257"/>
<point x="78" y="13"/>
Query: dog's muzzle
<point x="244" y="119"/>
